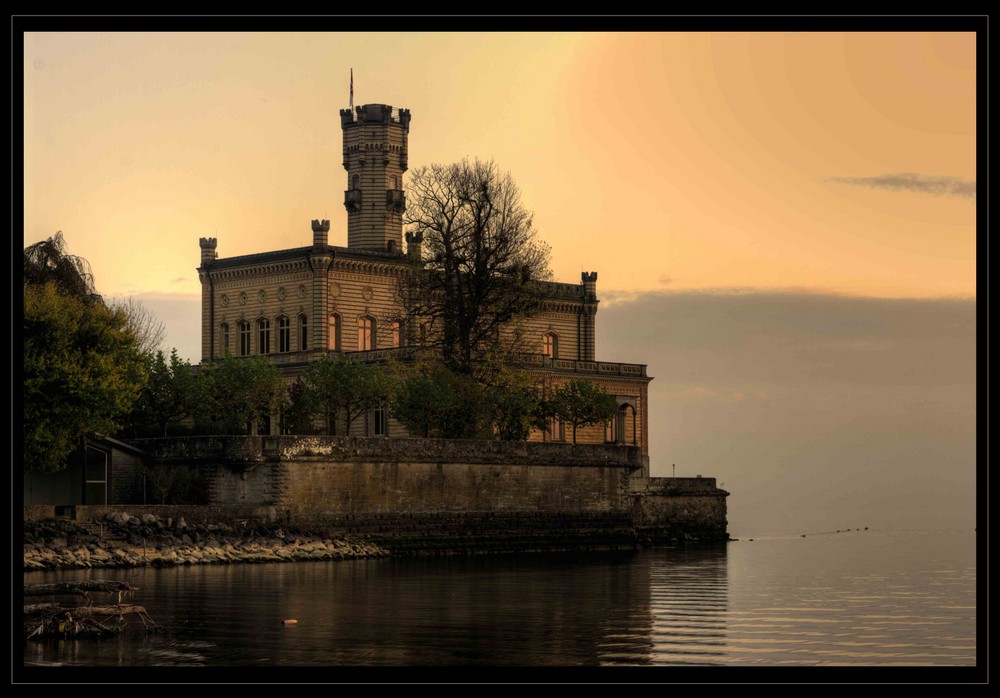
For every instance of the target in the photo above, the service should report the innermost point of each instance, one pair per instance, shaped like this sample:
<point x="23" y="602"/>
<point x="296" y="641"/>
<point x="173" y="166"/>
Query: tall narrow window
<point x="284" y="334"/>
<point x="556" y="432"/>
<point x="303" y="333"/>
<point x="356" y="182"/>
<point x="244" y="338"/>
<point x="550" y="345"/>
<point x="396" y="334"/>
<point x="366" y="333"/>
<point x="224" y="340"/>
<point x="393" y="182"/>
<point x="379" y="422"/>
<point x="333" y="325"/>
<point x="263" y="336"/>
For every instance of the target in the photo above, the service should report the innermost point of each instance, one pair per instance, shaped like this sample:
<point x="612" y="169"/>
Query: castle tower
<point x="375" y="157"/>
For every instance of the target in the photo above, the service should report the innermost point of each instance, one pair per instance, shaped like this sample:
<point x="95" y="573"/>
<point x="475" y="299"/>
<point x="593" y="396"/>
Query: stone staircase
<point x="104" y="533"/>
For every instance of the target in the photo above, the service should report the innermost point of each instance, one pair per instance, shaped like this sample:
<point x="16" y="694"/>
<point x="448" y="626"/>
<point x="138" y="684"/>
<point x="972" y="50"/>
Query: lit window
<point x="244" y="338"/>
<point x="224" y="339"/>
<point x="550" y="345"/>
<point x="395" y="334"/>
<point x="263" y="336"/>
<point x="284" y="334"/>
<point x="366" y="333"/>
<point x="303" y="333"/>
<point x="333" y="325"/>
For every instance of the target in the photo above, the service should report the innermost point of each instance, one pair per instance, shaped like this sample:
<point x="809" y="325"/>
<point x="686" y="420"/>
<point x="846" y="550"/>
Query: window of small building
<point x="264" y="336"/>
<point x="244" y="338"/>
<point x="333" y="325"/>
<point x="224" y="339"/>
<point x="396" y="332"/>
<point x="366" y="333"/>
<point x="95" y="477"/>
<point x="303" y="333"/>
<point x="550" y="345"/>
<point x="284" y="335"/>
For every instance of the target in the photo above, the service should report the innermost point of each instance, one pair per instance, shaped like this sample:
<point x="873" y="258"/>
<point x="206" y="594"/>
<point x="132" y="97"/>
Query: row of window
<point x="367" y="336"/>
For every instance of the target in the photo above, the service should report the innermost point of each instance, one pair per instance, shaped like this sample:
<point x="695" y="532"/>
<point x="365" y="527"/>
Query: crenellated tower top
<point x="375" y="157"/>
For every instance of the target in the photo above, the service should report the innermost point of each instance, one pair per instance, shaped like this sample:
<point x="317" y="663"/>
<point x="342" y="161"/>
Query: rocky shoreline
<point x="129" y="541"/>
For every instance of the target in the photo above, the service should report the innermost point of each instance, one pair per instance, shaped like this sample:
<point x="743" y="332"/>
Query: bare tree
<point x="47" y="262"/>
<point x="480" y="263"/>
<point x="144" y="325"/>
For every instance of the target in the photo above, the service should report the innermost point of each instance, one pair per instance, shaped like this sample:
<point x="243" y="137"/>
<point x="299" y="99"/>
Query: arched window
<point x="550" y="345"/>
<point x="263" y="336"/>
<point x="303" y="333"/>
<point x="224" y="339"/>
<point x="333" y="325"/>
<point x="396" y="334"/>
<point x="244" y="338"/>
<point x="366" y="333"/>
<point x="284" y="335"/>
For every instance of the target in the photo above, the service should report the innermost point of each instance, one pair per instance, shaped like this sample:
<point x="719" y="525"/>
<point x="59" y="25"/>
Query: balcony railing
<point x="352" y="200"/>
<point x="408" y="354"/>
<point x="395" y="200"/>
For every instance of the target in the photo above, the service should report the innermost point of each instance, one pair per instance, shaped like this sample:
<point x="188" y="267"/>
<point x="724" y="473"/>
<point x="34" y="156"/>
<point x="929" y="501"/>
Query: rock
<point x="181" y="524"/>
<point x="187" y="539"/>
<point x="123" y="518"/>
<point x="148" y="518"/>
<point x="57" y="543"/>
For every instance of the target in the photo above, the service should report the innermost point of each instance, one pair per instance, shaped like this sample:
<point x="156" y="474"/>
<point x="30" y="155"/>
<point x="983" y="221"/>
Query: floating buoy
<point x="290" y="621"/>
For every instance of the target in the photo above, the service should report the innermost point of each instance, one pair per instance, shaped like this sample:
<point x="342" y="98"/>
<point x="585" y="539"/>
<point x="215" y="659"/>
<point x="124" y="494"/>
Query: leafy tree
<point x="47" y="262"/>
<point x="482" y="263"/>
<point x="82" y="370"/>
<point x="168" y="394"/>
<point x="435" y="402"/>
<point x="340" y="386"/>
<point x="298" y="415"/>
<point x="237" y="392"/>
<point x="582" y="403"/>
<point x="516" y="403"/>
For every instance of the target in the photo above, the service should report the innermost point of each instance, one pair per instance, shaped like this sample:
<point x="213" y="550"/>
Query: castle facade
<point x="297" y="305"/>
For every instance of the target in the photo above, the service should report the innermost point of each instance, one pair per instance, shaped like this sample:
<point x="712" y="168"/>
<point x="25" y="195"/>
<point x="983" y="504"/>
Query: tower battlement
<point x="375" y="157"/>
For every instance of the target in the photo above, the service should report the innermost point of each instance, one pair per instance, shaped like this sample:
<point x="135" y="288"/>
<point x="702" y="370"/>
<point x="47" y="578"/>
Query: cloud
<point x="665" y="279"/>
<point x="938" y="185"/>
<point x="809" y="406"/>
<point x="178" y="280"/>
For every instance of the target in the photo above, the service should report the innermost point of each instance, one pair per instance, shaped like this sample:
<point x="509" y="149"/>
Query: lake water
<point x="857" y="598"/>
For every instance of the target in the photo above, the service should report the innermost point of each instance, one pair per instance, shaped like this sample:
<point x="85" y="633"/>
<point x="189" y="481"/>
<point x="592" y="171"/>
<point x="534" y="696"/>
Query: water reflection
<point x="851" y="600"/>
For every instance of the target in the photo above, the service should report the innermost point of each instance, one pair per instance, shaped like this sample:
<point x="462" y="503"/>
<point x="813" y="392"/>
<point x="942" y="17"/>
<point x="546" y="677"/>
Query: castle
<point x="297" y="305"/>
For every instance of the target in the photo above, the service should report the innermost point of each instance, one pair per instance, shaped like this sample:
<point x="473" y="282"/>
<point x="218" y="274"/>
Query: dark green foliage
<point x="46" y="262"/>
<point x="517" y="404"/>
<point x="339" y="387"/>
<point x="239" y="393"/>
<point x="581" y="403"/>
<point x="432" y="401"/>
<point x="168" y="395"/>
<point x="82" y="373"/>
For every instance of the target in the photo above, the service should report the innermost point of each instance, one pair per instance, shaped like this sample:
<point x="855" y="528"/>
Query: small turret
<point x="321" y="232"/>
<point x="589" y="279"/>
<point x="414" y="244"/>
<point x="208" y="253"/>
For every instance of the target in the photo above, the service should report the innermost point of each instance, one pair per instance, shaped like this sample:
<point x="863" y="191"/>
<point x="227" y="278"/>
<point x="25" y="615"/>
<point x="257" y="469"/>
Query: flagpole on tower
<point x="352" y="88"/>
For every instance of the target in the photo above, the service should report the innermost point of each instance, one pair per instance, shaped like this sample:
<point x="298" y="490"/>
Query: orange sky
<point x="663" y="161"/>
